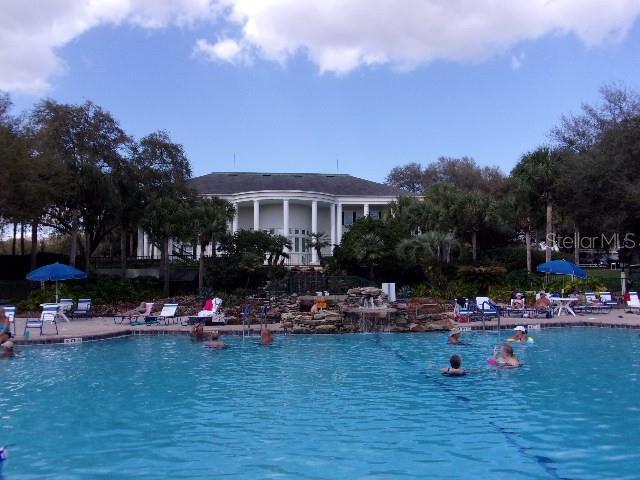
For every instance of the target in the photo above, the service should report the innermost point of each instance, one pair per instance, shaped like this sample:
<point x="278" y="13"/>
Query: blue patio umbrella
<point x="562" y="267"/>
<point x="55" y="272"/>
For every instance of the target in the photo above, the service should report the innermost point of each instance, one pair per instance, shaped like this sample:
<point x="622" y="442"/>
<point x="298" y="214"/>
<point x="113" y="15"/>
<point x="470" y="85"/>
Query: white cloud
<point x="225" y="50"/>
<point x="337" y="35"/>
<point x="341" y="35"/>
<point x="32" y="32"/>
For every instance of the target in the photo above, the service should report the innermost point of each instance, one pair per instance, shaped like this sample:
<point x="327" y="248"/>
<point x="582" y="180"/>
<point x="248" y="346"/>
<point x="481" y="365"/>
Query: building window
<point x="354" y="216"/>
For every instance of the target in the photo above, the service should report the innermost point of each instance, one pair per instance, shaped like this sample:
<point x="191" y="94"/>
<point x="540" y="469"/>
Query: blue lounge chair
<point x="83" y="309"/>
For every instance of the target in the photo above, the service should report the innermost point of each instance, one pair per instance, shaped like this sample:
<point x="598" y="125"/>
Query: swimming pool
<point x="324" y="407"/>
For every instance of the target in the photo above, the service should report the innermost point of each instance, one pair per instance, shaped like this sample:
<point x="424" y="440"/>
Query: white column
<point x="170" y="247"/>
<point x="285" y="218"/>
<point x="234" y="222"/>
<point x="256" y="215"/>
<point x="314" y="229"/>
<point x="366" y="209"/>
<point x="339" y="223"/>
<point x="145" y="245"/>
<point x="199" y="251"/>
<point x="332" y="210"/>
<point x="140" y="249"/>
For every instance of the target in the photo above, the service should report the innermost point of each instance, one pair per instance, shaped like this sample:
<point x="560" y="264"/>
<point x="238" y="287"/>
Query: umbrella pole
<point x="56" y="291"/>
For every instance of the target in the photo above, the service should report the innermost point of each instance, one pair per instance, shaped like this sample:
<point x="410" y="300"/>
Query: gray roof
<point x="229" y="183"/>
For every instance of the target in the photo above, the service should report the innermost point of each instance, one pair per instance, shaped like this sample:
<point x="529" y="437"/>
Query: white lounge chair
<point x="49" y="314"/>
<point x="168" y="313"/>
<point x="488" y="307"/>
<point x="634" y="302"/>
<point x="10" y="312"/>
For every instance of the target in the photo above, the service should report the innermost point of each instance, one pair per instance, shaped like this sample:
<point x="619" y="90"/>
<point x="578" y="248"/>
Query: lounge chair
<point x="49" y="314"/>
<point x="83" y="309"/>
<point x="66" y="304"/>
<point x="10" y="312"/>
<point x="595" y="304"/>
<point x="465" y="310"/>
<point x="634" y="302"/>
<point x="607" y="299"/>
<point x="168" y="313"/>
<point x="487" y="307"/>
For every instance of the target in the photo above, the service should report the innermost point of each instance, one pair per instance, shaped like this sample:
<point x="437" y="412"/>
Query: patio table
<point x="561" y="304"/>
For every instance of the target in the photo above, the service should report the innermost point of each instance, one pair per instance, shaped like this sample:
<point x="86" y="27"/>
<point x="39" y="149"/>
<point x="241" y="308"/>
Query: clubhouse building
<point x="294" y="205"/>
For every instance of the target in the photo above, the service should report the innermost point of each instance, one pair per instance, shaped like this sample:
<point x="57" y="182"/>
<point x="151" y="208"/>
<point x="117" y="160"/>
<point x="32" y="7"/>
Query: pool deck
<point x="104" y="327"/>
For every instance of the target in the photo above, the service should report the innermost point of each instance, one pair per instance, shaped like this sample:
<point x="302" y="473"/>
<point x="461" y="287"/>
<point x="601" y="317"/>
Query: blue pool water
<point x="324" y="407"/>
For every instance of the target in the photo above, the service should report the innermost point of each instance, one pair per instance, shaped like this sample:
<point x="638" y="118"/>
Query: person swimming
<point x="7" y="350"/>
<point x="520" y="335"/>
<point x="5" y="327"/>
<point x="265" y="336"/>
<point x="455" y="370"/>
<point x="215" y="341"/>
<point x="504" y="357"/>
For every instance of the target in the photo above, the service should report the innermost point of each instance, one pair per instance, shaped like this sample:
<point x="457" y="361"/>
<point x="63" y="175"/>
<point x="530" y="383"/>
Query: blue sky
<point x="286" y="115"/>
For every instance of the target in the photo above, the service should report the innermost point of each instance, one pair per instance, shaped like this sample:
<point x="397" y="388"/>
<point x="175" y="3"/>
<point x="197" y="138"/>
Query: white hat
<point x="520" y="328"/>
<point x="454" y="331"/>
<point x="7" y="344"/>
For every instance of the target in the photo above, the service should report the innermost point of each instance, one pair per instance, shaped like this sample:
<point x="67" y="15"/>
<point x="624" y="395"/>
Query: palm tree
<point x="318" y="241"/>
<point x="168" y="217"/>
<point x="370" y="252"/>
<point x="210" y="218"/>
<point x="278" y="250"/>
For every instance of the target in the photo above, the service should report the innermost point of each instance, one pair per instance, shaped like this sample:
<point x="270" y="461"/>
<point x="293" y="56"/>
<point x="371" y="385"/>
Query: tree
<point x="409" y="178"/>
<point x="211" y="216"/>
<point x="477" y="210"/>
<point x="27" y="181"/>
<point x="319" y="241"/>
<point x="85" y="142"/>
<point x="168" y="217"/>
<point x="538" y="173"/>
<point x="280" y="245"/>
<point x="370" y="252"/>
<point x="580" y="133"/>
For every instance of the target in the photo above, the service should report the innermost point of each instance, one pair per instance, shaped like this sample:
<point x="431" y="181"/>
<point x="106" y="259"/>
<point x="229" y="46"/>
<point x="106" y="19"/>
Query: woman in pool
<point x="520" y="335"/>
<point x="505" y="357"/>
<point x="5" y="327"/>
<point x="454" y="336"/>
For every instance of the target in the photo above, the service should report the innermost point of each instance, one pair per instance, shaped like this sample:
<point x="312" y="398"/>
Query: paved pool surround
<point x="103" y="328"/>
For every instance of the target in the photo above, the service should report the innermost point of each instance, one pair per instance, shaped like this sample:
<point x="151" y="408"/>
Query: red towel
<point x="208" y="305"/>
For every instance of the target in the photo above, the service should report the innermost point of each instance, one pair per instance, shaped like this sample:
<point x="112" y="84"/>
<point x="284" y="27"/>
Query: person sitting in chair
<point x="5" y="327"/>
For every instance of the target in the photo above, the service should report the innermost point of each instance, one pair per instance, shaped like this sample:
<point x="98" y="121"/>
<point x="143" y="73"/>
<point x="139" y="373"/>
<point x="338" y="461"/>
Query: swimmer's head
<point x="215" y="335"/>
<point x="508" y="349"/>
<point x="455" y="361"/>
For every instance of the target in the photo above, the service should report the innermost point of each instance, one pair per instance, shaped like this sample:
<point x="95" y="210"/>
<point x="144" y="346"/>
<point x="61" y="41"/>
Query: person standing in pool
<point x="265" y="336"/>
<point x="455" y="370"/>
<point x="215" y="341"/>
<point x="5" y="327"/>
<point x="7" y="350"/>
<point x="505" y="357"/>
<point x="520" y="335"/>
<point x="454" y="336"/>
